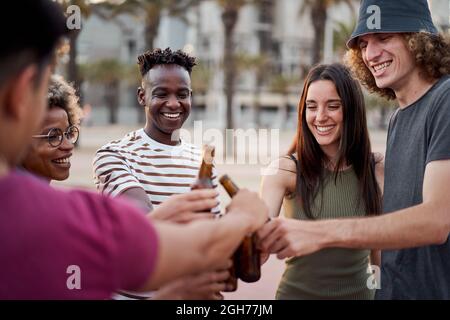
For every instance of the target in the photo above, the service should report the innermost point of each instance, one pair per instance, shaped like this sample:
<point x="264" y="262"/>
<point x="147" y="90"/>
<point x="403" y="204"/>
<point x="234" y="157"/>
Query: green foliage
<point x="374" y="101"/>
<point x="105" y="71"/>
<point x="201" y="78"/>
<point x="281" y="84"/>
<point x="341" y="34"/>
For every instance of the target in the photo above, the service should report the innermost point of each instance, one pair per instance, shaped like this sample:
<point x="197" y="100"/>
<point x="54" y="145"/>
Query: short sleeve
<point x="112" y="241"/>
<point x="439" y="127"/>
<point x="112" y="173"/>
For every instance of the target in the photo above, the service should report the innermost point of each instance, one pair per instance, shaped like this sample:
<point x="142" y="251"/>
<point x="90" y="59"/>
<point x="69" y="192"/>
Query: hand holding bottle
<point x="250" y="206"/>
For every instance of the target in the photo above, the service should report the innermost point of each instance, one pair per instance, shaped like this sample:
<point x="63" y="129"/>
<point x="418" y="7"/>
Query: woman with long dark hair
<point x="329" y="172"/>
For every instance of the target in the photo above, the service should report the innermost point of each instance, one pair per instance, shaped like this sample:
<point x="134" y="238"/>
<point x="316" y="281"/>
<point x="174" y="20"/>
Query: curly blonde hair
<point x="431" y="52"/>
<point x="61" y="94"/>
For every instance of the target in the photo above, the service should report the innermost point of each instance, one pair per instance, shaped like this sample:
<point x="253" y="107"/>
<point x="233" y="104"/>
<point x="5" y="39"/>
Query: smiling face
<point x="166" y="93"/>
<point x="44" y="160"/>
<point x="324" y="115"/>
<point x="388" y="59"/>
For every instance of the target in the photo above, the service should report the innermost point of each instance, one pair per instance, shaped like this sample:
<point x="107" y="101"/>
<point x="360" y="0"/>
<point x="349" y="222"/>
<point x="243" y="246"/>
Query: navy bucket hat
<point x="384" y="16"/>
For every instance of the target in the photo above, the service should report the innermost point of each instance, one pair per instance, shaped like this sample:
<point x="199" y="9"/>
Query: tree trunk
<point x="257" y="106"/>
<point x="284" y="112"/>
<point x="151" y="31"/>
<point x="229" y="19"/>
<point x="318" y="18"/>
<point x="112" y="101"/>
<point x="72" y="67"/>
<point x="266" y="45"/>
<point x="383" y="115"/>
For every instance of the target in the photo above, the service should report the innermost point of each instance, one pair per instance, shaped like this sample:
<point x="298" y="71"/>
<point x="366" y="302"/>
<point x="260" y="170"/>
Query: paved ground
<point x="245" y="175"/>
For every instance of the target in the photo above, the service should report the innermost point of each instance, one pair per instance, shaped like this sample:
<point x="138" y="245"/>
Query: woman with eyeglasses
<point x="51" y="149"/>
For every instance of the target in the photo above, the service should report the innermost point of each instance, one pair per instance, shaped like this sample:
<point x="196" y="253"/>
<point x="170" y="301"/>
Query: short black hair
<point x="30" y="31"/>
<point x="149" y="59"/>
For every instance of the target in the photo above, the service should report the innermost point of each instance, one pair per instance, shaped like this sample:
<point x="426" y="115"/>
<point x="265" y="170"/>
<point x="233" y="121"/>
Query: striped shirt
<point x="138" y="161"/>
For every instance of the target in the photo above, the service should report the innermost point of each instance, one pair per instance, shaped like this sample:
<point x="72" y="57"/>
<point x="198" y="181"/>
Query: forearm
<point x="424" y="224"/>
<point x="139" y="197"/>
<point x="197" y="247"/>
<point x="272" y="194"/>
<point x="224" y="238"/>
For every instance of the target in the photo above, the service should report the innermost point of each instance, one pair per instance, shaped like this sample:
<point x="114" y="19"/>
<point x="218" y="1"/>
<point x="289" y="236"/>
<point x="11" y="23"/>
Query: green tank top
<point x="332" y="273"/>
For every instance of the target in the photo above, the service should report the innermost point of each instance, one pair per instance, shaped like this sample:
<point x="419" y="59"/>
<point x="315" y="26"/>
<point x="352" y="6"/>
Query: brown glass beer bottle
<point x="204" y="181"/>
<point x="247" y="256"/>
<point x="204" y="177"/>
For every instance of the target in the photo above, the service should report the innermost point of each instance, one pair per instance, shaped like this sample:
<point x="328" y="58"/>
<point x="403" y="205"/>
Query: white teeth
<point x="324" y="129"/>
<point x="381" y="66"/>
<point x="64" y="160"/>
<point x="171" y="115"/>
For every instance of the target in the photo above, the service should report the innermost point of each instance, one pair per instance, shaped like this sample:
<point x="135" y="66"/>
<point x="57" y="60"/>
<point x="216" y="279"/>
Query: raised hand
<point x="184" y="208"/>
<point x="249" y="205"/>
<point x="289" y="238"/>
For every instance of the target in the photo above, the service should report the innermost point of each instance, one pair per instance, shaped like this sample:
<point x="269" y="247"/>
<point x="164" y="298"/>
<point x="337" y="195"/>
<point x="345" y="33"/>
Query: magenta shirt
<point x="46" y="235"/>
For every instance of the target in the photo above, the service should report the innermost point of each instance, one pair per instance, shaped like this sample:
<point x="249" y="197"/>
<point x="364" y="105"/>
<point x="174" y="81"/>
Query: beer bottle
<point x="232" y="281"/>
<point x="204" y="181"/>
<point x="204" y="177"/>
<point x="247" y="256"/>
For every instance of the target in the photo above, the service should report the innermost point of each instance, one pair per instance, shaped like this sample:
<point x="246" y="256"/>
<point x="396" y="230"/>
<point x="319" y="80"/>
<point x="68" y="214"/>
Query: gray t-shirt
<point x="418" y="134"/>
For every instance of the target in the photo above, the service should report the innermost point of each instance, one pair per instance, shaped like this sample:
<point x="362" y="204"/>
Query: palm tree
<point x="341" y="34"/>
<point x="318" y="13"/>
<point x="152" y="10"/>
<point x="73" y="75"/>
<point x="108" y="73"/>
<point x="230" y="17"/>
<point x="263" y="62"/>
<point x="259" y="65"/>
<point x="281" y="84"/>
<point x="201" y="79"/>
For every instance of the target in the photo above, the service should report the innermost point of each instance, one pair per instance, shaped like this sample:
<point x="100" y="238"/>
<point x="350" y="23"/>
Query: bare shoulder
<point x="282" y="172"/>
<point x="282" y="166"/>
<point x="287" y="164"/>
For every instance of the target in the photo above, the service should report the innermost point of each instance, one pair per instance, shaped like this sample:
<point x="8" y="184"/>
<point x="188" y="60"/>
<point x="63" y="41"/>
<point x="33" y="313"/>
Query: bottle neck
<point x="205" y="170"/>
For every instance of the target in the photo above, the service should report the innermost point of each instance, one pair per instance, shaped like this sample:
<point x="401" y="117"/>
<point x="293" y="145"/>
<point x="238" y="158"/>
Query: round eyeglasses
<point x="55" y="136"/>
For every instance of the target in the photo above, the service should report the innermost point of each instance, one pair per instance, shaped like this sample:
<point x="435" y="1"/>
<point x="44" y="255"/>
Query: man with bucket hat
<point x="396" y="52"/>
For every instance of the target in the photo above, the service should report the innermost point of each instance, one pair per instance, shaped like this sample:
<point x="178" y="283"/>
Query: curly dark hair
<point x="431" y="52"/>
<point x="62" y="95"/>
<point x="149" y="59"/>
